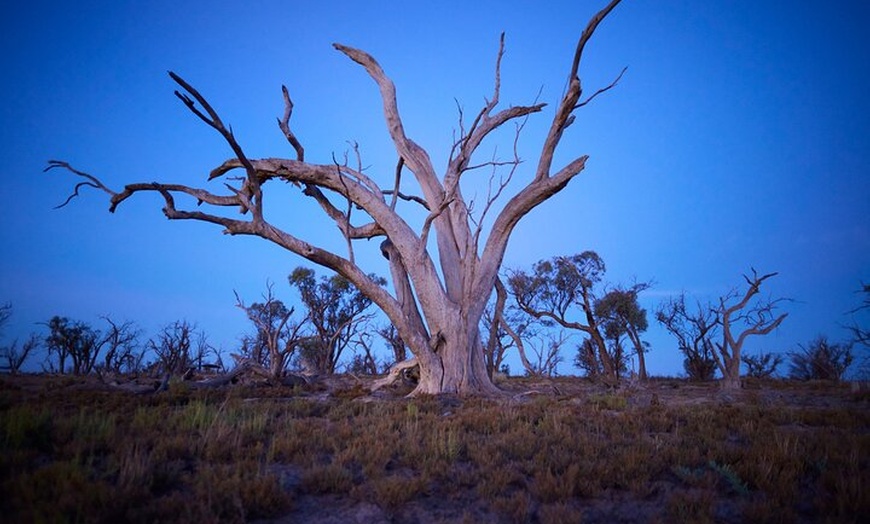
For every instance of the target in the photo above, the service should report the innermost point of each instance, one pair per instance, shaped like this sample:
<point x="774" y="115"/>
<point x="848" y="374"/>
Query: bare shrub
<point x="821" y="360"/>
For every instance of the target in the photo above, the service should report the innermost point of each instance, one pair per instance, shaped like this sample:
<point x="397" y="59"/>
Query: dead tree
<point x="694" y="331"/>
<point x="123" y="354"/>
<point x="12" y="357"/>
<point x="439" y="299"/>
<point x="276" y="337"/>
<point x="180" y="348"/>
<point x="740" y="320"/>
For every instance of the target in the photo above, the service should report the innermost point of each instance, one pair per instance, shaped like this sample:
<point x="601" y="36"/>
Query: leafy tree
<point x="561" y="291"/>
<point x="586" y="358"/>
<point x="694" y="331"/>
<point x="441" y="287"/>
<point x="336" y="312"/>
<point x="276" y="337"/>
<point x="743" y="315"/>
<point x="620" y="315"/>
<point x="762" y="365"/>
<point x="82" y="346"/>
<point x="76" y="342"/>
<point x="821" y="360"/>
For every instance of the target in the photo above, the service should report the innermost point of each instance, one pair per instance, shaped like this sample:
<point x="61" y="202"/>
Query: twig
<point x="92" y="181"/>
<point x="603" y="89"/>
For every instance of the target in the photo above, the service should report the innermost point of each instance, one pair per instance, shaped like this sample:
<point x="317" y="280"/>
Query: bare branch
<point x="213" y="120"/>
<point x="347" y="214"/>
<point x="517" y="207"/>
<point x="200" y="195"/>
<point x="358" y="173"/>
<point x="284" y="125"/>
<point x="92" y="181"/>
<point x="587" y="34"/>
<point x="408" y="198"/>
<point x="603" y="89"/>
<point x="370" y="230"/>
<point x="415" y="156"/>
<point x="460" y="164"/>
<point x="563" y="116"/>
<point x="427" y="224"/>
<point x="503" y="183"/>
<point x="251" y="189"/>
<point x="492" y="103"/>
<point x="397" y="183"/>
<point x="394" y="374"/>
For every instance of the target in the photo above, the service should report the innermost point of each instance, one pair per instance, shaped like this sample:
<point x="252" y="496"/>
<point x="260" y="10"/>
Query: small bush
<point x="762" y="365"/>
<point x="331" y="478"/>
<point x="821" y="360"/>
<point x="700" y="368"/>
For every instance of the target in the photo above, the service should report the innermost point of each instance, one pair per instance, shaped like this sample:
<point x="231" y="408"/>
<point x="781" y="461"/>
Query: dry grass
<point x="668" y="452"/>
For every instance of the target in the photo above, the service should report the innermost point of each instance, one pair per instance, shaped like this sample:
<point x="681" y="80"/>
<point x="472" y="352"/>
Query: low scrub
<point x="667" y="451"/>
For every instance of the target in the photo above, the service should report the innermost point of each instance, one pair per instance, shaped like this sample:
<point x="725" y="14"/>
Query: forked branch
<point x="212" y="119"/>
<point x="564" y="113"/>
<point x="92" y="181"/>
<point x="415" y="157"/>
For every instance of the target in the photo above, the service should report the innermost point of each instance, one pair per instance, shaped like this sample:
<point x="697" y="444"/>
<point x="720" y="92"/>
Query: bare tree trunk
<point x="608" y="367"/>
<point x="455" y="369"/>
<point x="639" y="349"/>
<point x="758" y="319"/>
<point x="641" y="365"/>
<point x="731" y="378"/>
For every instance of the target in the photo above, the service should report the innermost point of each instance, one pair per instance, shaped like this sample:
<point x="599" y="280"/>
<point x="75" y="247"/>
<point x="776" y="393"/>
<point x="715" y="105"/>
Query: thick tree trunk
<point x="639" y="349"/>
<point x="276" y="366"/>
<point x="457" y="367"/>
<point x="641" y="365"/>
<point x="608" y="367"/>
<point x="731" y="378"/>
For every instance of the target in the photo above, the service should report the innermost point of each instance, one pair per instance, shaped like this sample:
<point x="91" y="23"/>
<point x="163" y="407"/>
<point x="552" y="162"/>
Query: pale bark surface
<point x="753" y="319"/>
<point x="438" y="300"/>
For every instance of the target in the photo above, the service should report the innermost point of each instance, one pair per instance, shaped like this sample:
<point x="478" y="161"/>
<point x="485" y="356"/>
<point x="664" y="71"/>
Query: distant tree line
<point x="565" y="300"/>
<point x="336" y="321"/>
<point x="561" y="302"/>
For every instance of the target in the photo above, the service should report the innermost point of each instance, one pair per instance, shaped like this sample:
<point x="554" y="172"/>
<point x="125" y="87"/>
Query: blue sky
<point x="739" y="137"/>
